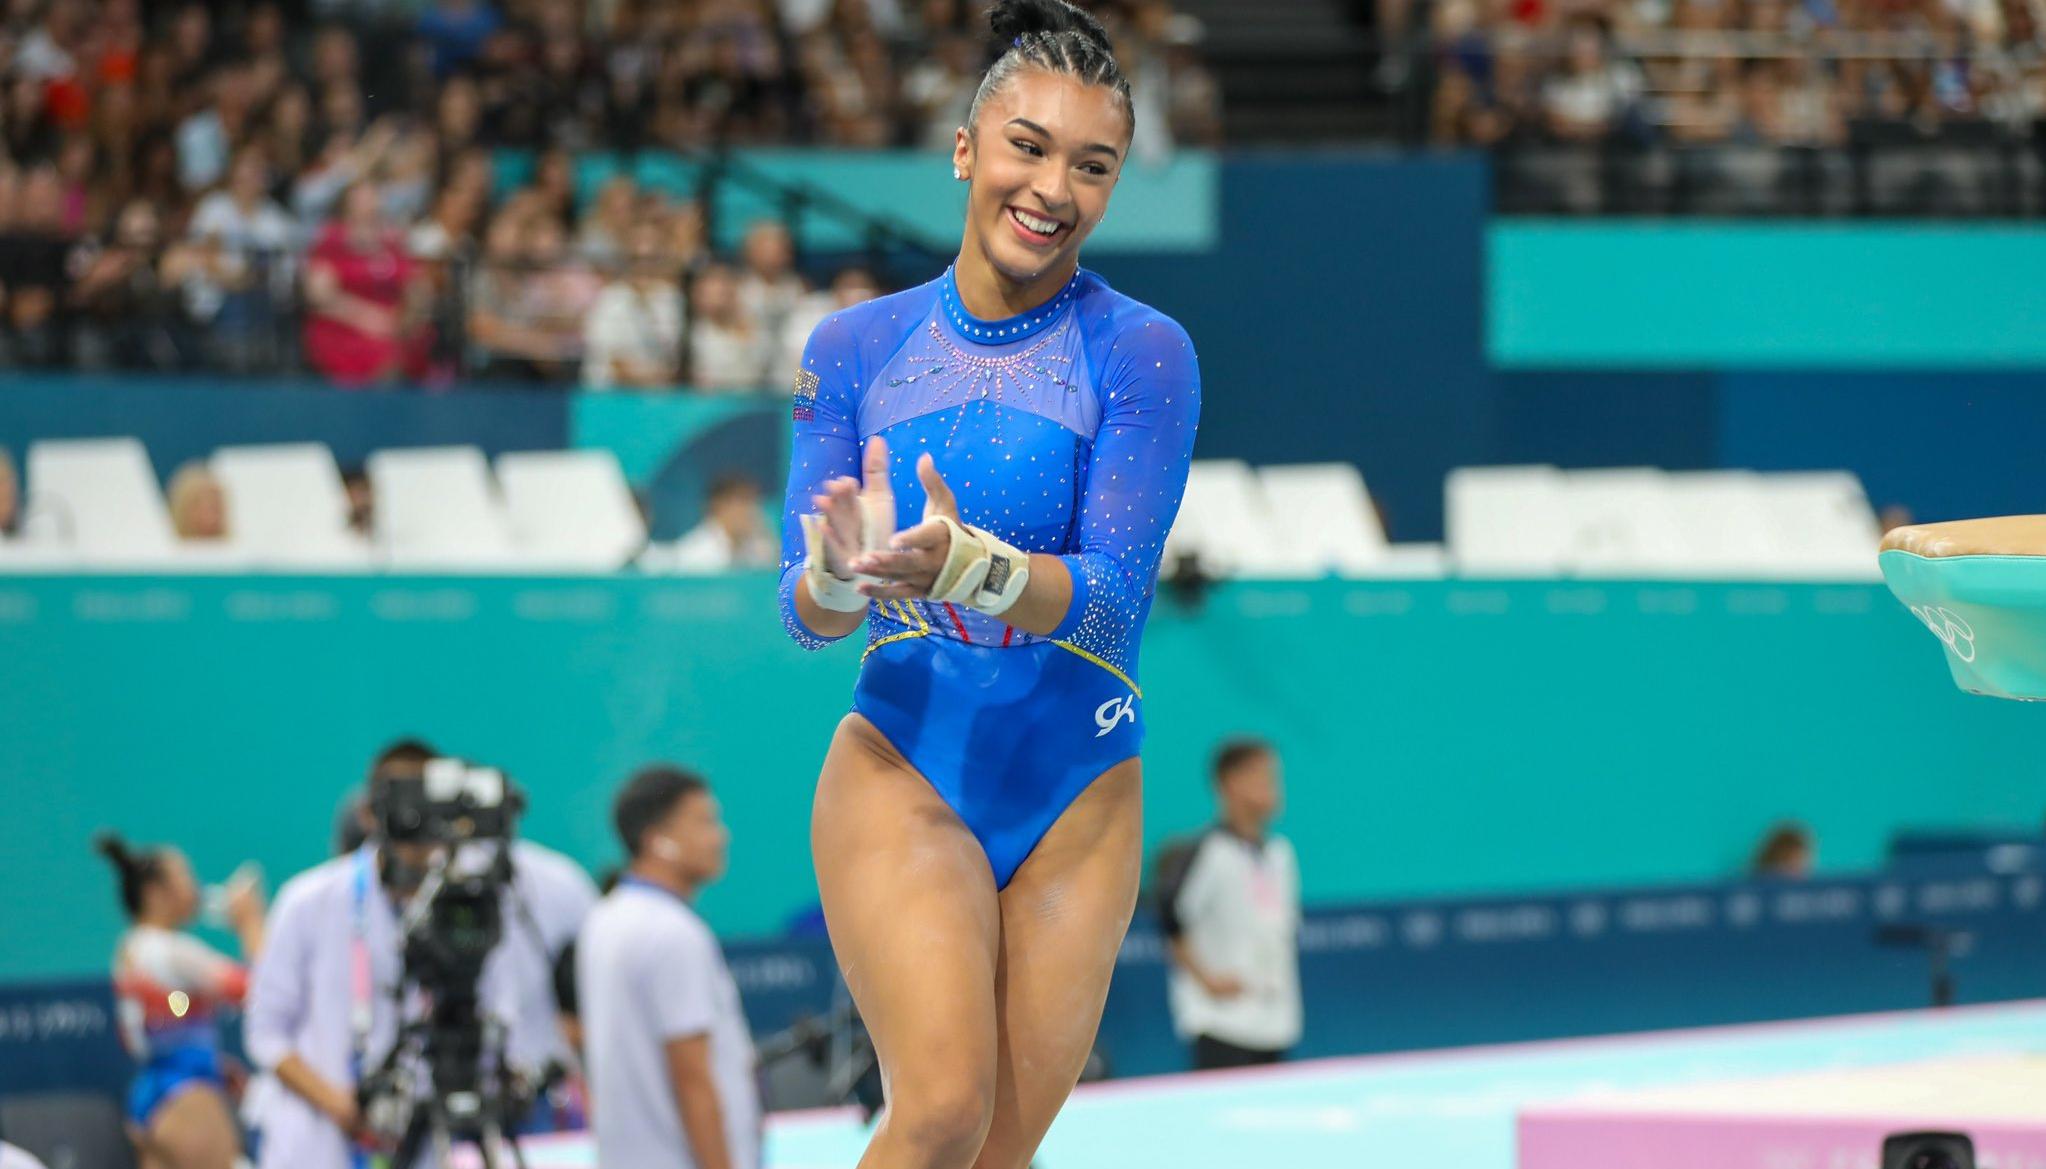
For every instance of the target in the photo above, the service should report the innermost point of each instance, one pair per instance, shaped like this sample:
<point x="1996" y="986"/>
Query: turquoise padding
<point x="1988" y="611"/>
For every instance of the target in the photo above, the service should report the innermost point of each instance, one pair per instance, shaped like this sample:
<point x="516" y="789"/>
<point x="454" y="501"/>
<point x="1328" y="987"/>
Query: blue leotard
<point x="1066" y="430"/>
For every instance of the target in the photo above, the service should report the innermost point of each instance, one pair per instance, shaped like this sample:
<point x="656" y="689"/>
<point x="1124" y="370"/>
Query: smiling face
<point x="1042" y="157"/>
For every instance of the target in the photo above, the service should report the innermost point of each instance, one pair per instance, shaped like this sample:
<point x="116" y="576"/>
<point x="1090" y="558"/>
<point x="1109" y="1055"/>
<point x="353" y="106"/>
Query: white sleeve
<point x="277" y="987"/>
<point x="678" y="982"/>
<point x="606" y="332"/>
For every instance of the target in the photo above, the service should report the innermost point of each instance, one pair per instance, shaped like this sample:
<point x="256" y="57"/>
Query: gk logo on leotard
<point x="1113" y="711"/>
<point x="1958" y="635"/>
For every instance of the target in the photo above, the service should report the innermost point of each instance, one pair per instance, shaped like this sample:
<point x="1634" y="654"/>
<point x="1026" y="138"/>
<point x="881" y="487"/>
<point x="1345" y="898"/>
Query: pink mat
<point x="1833" y="1120"/>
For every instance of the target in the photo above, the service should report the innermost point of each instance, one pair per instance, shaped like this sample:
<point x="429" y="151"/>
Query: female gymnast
<point x="976" y="828"/>
<point x="168" y="986"/>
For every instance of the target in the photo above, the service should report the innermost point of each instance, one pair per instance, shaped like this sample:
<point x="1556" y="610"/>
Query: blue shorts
<point x="167" y="1075"/>
<point x="1009" y="736"/>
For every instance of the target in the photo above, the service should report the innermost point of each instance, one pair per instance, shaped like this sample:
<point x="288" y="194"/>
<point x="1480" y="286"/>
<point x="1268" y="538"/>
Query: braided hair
<point x="1056" y="37"/>
<point x="137" y="869"/>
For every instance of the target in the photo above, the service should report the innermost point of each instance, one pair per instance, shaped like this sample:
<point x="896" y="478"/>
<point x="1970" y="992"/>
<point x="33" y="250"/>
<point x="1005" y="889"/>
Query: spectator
<point x="769" y="286"/>
<point x="854" y="285"/>
<point x="670" y="1059"/>
<point x="601" y="241"/>
<point x="208" y="135"/>
<point x="728" y="350"/>
<point x="455" y="31"/>
<point x="1787" y="853"/>
<point x="170" y="987"/>
<point x="34" y="257"/>
<point x="1232" y="917"/>
<point x="365" y="299"/>
<point x="361" y="501"/>
<point x="125" y="309"/>
<point x="632" y="338"/>
<point x="733" y="534"/>
<point x="531" y="297"/>
<point x="198" y="503"/>
<point x="1593" y="94"/>
<point x="10" y="497"/>
<point x="242" y="241"/>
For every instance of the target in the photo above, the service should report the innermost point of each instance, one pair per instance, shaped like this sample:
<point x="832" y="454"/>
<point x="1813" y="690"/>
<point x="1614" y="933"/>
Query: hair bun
<point x="1011" y="19"/>
<point x="111" y="846"/>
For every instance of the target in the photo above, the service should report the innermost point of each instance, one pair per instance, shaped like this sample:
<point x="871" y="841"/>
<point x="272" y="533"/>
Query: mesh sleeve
<point x="825" y="444"/>
<point x="1136" y="475"/>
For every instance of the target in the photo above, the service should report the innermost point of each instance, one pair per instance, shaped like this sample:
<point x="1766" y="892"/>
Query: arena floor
<point x="1453" y="1108"/>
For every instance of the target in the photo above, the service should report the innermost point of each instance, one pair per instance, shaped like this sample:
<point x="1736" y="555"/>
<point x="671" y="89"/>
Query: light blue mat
<point x="1453" y="1108"/>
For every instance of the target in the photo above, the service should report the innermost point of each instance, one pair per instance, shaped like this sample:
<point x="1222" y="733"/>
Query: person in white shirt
<point x="322" y="1009"/>
<point x="729" y="351"/>
<point x="632" y="337"/>
<point x="733" y="534"/>
<point x="670" y="1061"/>
<point x="1232" y="918"/>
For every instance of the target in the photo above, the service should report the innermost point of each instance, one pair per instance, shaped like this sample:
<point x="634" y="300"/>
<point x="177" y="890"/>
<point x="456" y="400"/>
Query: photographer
<point x="324" y="1005"/>
<point x="549" y="897"/>
<point x="671" y="1063"/>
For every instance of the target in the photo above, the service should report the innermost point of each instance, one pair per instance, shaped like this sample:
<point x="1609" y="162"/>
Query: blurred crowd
<point x="384" y="190"/>
<point x="1799" y="73"/>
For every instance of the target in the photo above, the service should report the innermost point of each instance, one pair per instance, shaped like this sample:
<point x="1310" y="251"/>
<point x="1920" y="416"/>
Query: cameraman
<point x="322" y="1004"/>
<point x="549" y="898"/>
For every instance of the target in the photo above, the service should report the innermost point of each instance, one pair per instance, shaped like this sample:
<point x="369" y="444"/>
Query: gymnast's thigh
<point x="1064" y="915"/>
<point x="911" y="907"/>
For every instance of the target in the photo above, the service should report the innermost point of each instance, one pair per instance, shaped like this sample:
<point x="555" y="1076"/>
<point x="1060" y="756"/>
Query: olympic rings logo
<point x="1946" y="625"/>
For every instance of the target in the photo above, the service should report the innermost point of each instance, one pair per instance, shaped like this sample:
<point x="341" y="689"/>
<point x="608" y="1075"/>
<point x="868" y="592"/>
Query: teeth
<point x="1040" y="226"/>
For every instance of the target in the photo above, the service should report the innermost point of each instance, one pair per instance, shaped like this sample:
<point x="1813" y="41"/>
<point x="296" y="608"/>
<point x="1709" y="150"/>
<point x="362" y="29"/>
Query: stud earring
<point x="958" y="174"/>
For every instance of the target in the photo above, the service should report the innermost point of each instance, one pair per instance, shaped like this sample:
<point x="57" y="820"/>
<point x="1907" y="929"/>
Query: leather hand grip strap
<point x="981" y="571"/>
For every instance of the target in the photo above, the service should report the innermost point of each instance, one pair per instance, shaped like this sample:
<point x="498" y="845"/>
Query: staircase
<point x="1294" y="72"/>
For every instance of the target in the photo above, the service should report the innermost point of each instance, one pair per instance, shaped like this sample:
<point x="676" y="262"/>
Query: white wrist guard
<point x="840" y="594"/>
<point x="980" y="571"/>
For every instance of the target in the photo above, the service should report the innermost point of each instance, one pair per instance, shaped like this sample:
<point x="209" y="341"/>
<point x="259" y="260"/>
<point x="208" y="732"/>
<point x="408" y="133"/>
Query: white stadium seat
<point x="287" y="508"/>
<point x="98" y="501"/>
<point x="1322" y="516"/>
<point x="1621" y="524"/>
<point x="1506" y="521"/>
<point x="438" y="508"/>
<point x="571" y="510"/>
<point x="1223" y="520"/>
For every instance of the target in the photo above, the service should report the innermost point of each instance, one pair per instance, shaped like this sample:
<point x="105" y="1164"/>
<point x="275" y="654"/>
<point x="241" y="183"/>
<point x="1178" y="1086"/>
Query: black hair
<point x="401" y="755"/>
<point x="1054" y="36"/>
<point x="648" y="798"/>
<point x="137" y="869"/>
<point x="1234" y="753"/>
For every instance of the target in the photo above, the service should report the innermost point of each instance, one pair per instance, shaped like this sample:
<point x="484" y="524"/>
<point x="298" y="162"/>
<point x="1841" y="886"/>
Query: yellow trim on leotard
<point x="909" y="617"/>
<point x="1103" y="663"/>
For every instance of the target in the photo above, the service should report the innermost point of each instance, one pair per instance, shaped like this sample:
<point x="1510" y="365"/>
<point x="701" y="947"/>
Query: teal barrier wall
<point x="1439" y="737"/>
<point x="1699" y="294"/>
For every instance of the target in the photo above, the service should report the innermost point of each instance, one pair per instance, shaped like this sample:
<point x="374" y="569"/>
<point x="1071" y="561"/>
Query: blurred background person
<point x="728" y="349"/>
<point x="671" y="1064"/>
<point x="366" y="301"/>
<point x="169" y="990"/>
<point x="10" y="497"/>
<point x="733" y="535"/>
<point x="241" y="237"/>
<point x="1232" y="921"/>
<point x="198" y="503"/>
<point x="322" y="1003"/>
<point x="1787" y="853"/>
<point x="632" y="338"/>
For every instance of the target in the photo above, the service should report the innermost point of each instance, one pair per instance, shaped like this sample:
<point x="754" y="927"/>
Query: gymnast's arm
<point x="824" y="458"/>
<point x="1150" y="409"/>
